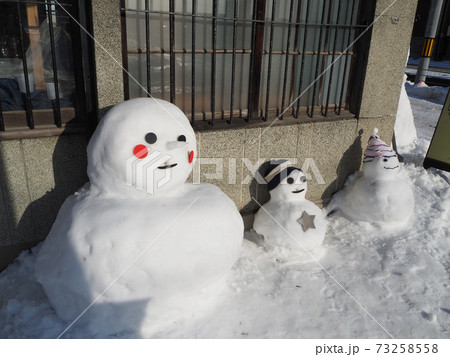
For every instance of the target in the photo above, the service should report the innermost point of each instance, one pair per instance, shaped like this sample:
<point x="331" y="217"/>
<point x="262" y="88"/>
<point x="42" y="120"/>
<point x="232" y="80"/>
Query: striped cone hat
<point x="377" y="148"/>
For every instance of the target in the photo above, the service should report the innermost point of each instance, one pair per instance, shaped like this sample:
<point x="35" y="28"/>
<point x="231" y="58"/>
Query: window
<point x="40" y="82"/>
<point x="241" y="59"/>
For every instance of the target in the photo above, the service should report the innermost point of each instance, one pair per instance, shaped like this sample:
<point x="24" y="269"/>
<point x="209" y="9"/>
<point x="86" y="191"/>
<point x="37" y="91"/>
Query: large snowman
<point x="377" y="194"/>
<point x="137" y="232"/>
<point x="288" y="220"/>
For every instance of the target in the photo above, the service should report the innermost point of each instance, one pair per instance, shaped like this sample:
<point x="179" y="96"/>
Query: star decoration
<point x="306" y="221"/>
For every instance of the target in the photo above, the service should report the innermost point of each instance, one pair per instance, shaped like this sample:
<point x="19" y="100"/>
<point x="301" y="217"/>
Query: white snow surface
<point x="373" y="282"/>
<point x="405" y="131"/>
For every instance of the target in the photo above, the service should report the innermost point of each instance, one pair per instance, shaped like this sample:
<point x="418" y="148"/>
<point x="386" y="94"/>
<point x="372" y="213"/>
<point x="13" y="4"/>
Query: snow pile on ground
<point x="373" y="282"/>
<point x="426" y="93"/>
<point x="405" y="131"/>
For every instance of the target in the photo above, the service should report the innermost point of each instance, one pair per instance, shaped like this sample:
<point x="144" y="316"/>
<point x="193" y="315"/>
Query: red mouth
<point x="191" y="157"/>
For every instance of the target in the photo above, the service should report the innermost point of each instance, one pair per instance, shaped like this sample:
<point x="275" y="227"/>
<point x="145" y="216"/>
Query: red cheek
<point x="140" y="151"/>
<point x="191" y="157"/>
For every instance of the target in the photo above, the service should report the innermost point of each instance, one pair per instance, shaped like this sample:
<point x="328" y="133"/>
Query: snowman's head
<point x="380" y="160"/>
<point x="142" y="146"/>
<point x="286" y="182"/>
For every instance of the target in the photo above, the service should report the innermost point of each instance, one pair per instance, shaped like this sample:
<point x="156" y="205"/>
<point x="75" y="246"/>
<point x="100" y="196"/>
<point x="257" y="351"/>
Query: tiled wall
<point x="36" y="177"/>
<point x="329" y="151"/>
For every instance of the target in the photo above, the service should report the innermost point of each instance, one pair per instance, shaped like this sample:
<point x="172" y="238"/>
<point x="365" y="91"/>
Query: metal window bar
<point x="325" y="113"/>
<point x="213" y="66"/>
<point x="147" y="46"/>
<point x="266" y="115"/>
<point x="194" y="9"/>
<point x="305" y="34"/>
<point x="319" y="95"/>
<point x="252" y="61"/>
<point x="286" y="61"/>
<point x="349" y="38"/>
<point x="171" y="48"/>
<point x="233" y="62"/>
<point x="55" y="102"/>
<point x="326" y="44"/>
<point x="28" y="106"/>
<point x="239" y="20"/>
<point x="319" y="46"/>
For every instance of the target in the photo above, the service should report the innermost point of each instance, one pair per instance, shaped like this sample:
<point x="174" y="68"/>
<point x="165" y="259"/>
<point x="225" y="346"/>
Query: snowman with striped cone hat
<point x="377" y="194"/>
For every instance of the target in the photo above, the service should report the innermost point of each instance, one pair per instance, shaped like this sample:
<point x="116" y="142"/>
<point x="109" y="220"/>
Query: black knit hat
<point x="277" y="172"/>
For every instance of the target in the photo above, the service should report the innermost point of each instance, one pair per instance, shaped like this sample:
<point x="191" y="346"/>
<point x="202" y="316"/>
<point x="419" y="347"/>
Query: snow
<point x="436" y="69"/>
<point x="433" y="64"/>
<point x="430" y="73"/>
<point x="404" y="129"/>
<point x="373" y="282"/>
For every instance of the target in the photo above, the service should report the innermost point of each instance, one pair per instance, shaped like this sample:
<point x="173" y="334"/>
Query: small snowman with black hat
<point x="289" y="220"/>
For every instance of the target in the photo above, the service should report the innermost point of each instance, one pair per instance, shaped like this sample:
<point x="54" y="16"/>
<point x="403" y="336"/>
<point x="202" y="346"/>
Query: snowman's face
<point x="383" y="167"/>
<point x="144" y="145"/>
<point x="291" y="188"/>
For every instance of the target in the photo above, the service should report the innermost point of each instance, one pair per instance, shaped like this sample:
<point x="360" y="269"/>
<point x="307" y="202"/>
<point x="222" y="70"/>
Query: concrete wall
<point x="36" y="177"/>
<point x="108" y="53"/>
<point x="327" y="150"/>
<point x="391" y="36"/>
<point x="37" y="174"/>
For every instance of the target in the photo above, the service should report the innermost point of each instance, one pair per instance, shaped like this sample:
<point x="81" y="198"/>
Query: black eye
<point x="181" y="138"/>
<point x="303" y="179"/>
<point x="385" y="160"/>
<point x="290" y="180"/>
<point x="151" y="138"/>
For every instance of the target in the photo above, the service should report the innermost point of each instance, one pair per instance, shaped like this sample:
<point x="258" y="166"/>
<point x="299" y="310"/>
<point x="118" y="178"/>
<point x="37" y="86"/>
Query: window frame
<point x="356" y="58"/>
<point x="56" y="121"/>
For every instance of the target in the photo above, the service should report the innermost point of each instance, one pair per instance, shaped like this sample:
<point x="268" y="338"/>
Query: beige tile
<point x="106" y="23"/>
<point x="329" y="142"/>
<point x="56" y="168"/>
<point x="390" y="40"/>
<point x="16" y="186"/>
<point x="250" y="161"/>
<point x="219" y="151"/>
<point x="5" y="237"/>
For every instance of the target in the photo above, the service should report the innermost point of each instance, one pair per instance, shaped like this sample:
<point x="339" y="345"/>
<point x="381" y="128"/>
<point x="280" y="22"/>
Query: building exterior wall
<point x="38" y="174"/>
<point x="36" y="177"/>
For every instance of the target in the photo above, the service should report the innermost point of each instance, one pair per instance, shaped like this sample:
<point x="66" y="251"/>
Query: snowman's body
<point x="280" y="219"/>
<point x="387" y="200"/>
<point x="123" y="244"/>
<point x="278" y="223"/>
<point x="377" y="194"/>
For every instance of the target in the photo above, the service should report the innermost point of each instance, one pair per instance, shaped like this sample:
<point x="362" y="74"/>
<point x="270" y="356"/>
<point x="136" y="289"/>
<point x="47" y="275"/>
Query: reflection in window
<point x="37" y="84"/>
